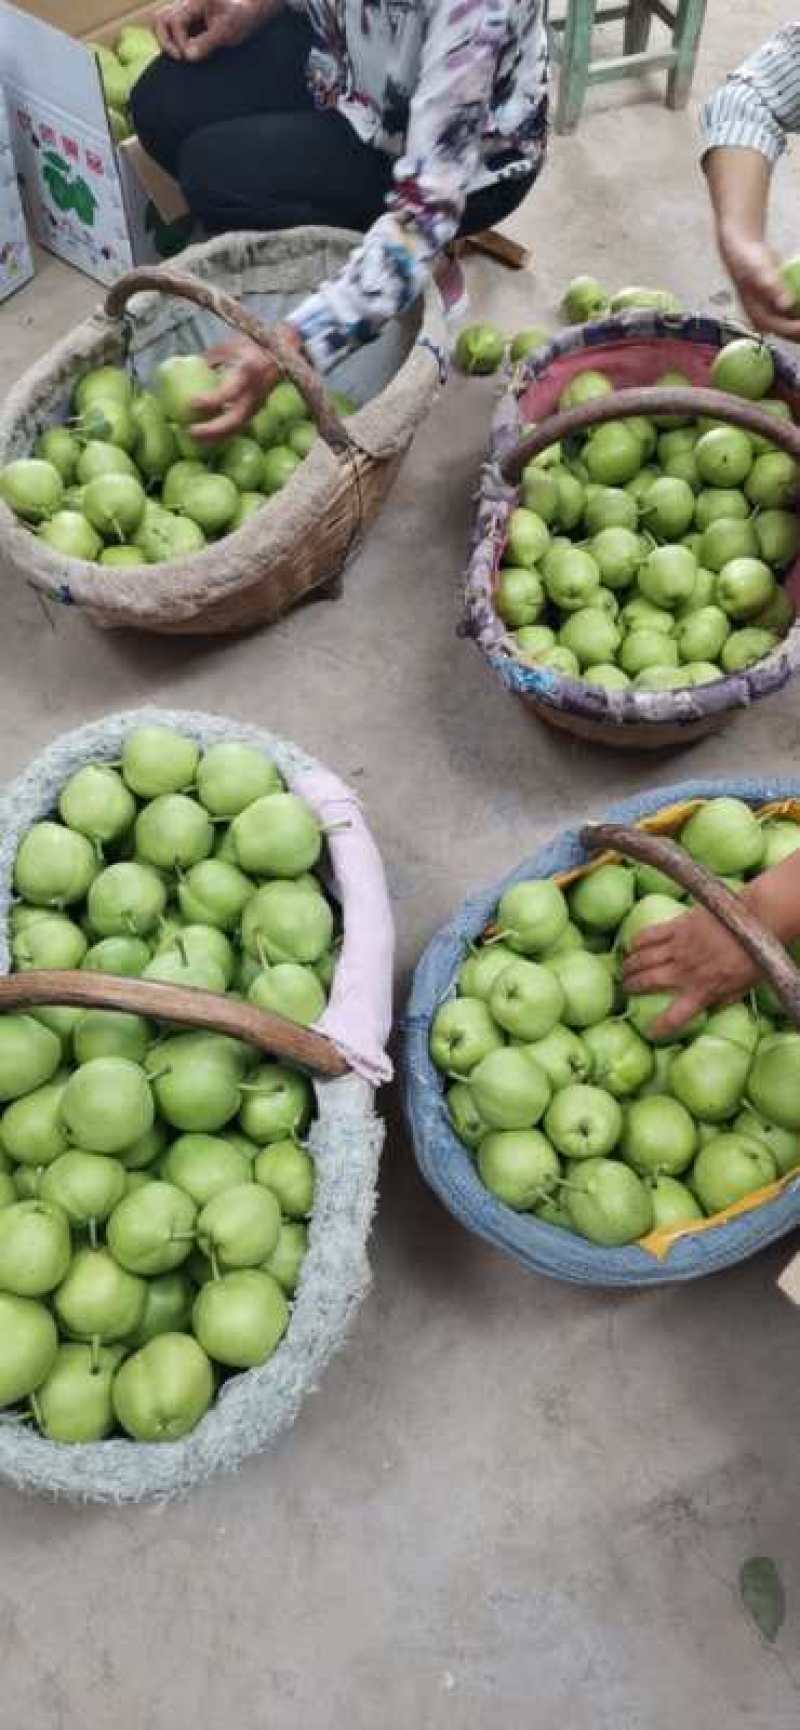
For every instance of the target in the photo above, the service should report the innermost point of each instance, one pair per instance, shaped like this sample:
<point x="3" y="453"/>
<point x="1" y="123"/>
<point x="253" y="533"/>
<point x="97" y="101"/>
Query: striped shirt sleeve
<point x="760" y="102"/>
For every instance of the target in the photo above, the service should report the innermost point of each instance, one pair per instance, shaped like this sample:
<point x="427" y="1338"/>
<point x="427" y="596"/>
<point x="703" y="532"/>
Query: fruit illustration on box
<point x="55" y="174"/>
<point x="84" y="202"/>
<point x="68" y="193"/>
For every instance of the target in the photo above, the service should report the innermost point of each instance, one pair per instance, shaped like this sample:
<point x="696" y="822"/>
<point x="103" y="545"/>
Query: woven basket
<point x="303" y="537"/>
<point x="345" y="1055"/>
<point x="639" y="826"/>
<point x="633" y="351"/>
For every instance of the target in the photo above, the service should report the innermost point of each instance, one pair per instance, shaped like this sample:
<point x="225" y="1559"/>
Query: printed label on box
<point x="152" y="237"/>
<point x="69" y="173"/>
<point x="16" y="263"/>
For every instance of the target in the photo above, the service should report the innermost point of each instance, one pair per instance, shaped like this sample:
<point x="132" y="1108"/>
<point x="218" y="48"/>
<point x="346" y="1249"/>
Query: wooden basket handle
<point x="190" y="1008"/>
<point x="765" y="949"/>
<point x="650" y="401"/>
<point x="213" y="299"/>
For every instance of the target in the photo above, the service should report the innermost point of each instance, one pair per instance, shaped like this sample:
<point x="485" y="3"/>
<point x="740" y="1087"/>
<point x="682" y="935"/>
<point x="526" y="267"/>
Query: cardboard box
<point x="100" y="206"/>
<point x="16" y="261"/>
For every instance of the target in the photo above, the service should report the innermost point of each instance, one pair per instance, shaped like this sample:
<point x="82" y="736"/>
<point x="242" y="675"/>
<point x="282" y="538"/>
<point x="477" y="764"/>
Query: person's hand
<point x="697" y="958"/>
<point x="765" y="298"/>
<point x="193" y="29"/>
<point x="249" y="375"/>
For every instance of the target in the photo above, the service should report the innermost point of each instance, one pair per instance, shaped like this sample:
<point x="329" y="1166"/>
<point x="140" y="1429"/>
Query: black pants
<point x="241" y="134"/>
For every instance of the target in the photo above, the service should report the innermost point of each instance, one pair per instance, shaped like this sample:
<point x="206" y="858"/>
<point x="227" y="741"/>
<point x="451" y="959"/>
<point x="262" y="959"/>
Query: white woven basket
<point x="346" y="1139"/>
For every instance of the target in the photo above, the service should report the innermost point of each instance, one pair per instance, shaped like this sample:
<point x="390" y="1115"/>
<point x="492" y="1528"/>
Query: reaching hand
<point x="763" y="294"/>
<point x="694" y="956"/>
<point x="249" y="375"/>
<point x="193" y="29"/>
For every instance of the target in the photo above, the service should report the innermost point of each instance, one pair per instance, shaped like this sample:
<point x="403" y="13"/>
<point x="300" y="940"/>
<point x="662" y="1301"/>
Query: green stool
<point x="571" y="48"/>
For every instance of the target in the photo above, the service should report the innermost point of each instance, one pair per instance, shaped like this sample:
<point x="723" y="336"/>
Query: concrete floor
<point x="509" y="1502"/>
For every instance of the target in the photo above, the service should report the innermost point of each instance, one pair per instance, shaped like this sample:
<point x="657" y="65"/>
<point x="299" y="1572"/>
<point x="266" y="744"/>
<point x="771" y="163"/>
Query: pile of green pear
<point x="124" y="482"/>
<point x="119" y="68"/>
<point x="154" y="1184"/>
<point x="570" y="1106"/>
<point x="480" y="349"/>
<point x="648" y="553"/>
<point x="586" y="299"/>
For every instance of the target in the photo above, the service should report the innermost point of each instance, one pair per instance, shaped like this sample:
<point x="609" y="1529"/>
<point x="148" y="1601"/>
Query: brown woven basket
<point x="303" y="537"/>
<point x="639" y="347"/>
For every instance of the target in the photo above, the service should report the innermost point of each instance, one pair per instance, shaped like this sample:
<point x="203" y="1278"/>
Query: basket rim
<point x="380" y="428"/>
<point x="592" y="703"/>
<point x="346" y="1138"/>
<point x="444" y="1160"/>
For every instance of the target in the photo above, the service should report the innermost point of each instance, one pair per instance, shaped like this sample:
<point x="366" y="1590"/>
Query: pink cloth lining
<point x="358" y="1016"/>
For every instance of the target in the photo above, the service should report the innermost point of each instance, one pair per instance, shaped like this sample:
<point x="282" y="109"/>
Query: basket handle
<point x="766" y="950"/>
<point x="650" y="401"/>
<point x="213" y="299"/>
<point x="270" y="1033"/>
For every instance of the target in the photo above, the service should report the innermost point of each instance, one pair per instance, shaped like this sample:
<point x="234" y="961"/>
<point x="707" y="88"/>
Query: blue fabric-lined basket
<point x="633" y="349"/>
<point x="446" y="1164"/>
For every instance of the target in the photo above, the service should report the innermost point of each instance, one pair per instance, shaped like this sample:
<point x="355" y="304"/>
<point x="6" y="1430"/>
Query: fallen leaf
<point x="762" y="1594"/>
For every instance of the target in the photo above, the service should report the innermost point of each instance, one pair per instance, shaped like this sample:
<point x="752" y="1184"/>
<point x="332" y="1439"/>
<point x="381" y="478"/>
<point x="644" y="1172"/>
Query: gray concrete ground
<point x="509" y="1502"/>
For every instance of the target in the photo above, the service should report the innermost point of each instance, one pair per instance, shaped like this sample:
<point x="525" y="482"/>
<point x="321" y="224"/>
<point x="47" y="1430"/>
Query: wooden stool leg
<point x="637" y="26"/>
<point x="688" y="25"/>
<point x="574" y="72"/>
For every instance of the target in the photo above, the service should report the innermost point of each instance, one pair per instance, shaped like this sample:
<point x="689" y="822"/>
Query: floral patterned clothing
<point x="456" y="92"/>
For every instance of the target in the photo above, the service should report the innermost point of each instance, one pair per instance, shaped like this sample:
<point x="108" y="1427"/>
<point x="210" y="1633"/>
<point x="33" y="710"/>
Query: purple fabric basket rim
<point x="496" y="499"/>
<point x="444" y="1161"/>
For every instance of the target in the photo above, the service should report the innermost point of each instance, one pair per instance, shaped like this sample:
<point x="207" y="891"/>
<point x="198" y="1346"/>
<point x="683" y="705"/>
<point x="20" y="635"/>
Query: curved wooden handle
<point x="765" y="949"/>
<point x="650" y="400"/>
<point x="206" y="294"/>
<point x="270" y="1033"/>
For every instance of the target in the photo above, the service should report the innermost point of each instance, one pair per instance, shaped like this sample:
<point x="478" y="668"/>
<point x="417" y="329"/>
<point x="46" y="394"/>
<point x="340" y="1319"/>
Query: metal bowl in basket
<point x="686" y="1252"/>
<point x="343" y="1054"/>
<point x="302" y="538"/>
<point x="633" y="351"/>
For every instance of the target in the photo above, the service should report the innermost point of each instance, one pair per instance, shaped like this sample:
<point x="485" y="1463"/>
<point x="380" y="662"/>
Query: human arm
<point x="447" y="120"/>
<point x="744" y="126"/>
<point x="699" y="959"/>
<point x="194" y="29"/>
<point x="388" y="270"/>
